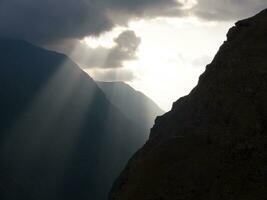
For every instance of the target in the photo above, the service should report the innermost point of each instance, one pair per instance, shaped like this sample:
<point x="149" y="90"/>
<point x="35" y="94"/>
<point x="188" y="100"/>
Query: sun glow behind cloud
<point x="104" y="40"/>
<point x="172" y="55"/>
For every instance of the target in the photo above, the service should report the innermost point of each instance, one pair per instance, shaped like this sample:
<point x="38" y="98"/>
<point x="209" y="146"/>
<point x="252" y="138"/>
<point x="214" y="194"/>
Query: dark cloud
<point x="111" y="75"/>
<point x="125" y="49"/>
<point x="122" y="10"/>
<point x="49" y="20"/>
<point x="44" y="21"/>
<point x="227" y="9"/>
<point x="126" y="46"/>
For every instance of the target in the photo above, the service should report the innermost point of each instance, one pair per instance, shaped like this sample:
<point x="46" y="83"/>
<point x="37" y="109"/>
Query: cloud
<point x="125" y="48"/>
<point x="48" y="21"/>
<point x="122" y="74"/>
<point x="218" y="10"/>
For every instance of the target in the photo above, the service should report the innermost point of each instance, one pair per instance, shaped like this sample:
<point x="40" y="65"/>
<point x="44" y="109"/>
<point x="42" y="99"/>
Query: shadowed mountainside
<point x="60" y="138"/>
<point x="212" y="144"/>
<point x="133" y="104"/>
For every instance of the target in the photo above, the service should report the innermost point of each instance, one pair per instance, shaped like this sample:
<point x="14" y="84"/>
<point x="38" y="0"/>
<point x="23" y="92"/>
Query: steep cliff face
<point x="213" y="143"/>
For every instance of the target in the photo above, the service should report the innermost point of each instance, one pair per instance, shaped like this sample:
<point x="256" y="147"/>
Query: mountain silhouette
<point x="212" y="145"/>
<point x="133" y="104"/>
<point x="60" y="137"/>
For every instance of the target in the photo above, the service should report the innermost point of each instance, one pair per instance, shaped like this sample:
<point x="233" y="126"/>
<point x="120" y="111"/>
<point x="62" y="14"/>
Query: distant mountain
<point x="212" y="145"/>
<point x="60" y="137"/>
<point x="133" y="104"/>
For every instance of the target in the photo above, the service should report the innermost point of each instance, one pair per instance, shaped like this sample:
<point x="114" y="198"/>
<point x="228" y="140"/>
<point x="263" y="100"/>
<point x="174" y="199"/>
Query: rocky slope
<point x="213" y="143"/>
<point x="133" y="104"/>
<point x="60" y="137"/>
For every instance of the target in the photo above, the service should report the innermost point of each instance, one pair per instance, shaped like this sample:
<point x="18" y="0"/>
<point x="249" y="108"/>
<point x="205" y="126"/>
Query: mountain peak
<point x="60" y="137"/>
<point x="243" y="27"/>
<point x="134" y="104"/>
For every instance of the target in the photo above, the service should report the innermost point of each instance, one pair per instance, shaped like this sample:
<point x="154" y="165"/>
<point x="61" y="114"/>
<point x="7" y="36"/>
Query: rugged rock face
<point x="213" y="143"/>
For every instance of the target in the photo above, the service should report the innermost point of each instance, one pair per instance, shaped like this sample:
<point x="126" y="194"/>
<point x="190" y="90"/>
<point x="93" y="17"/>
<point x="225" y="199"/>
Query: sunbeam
<point x="44" y="127"/>
<point x="85" y="84"/>
<point x="63" y="137"/>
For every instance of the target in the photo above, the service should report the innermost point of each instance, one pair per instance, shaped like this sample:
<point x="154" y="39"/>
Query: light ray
<point x="34" y="135"/>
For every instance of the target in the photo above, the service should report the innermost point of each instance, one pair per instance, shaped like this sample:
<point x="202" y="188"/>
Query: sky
<point x="165" y="68"/>
<point x="159" y="47"/>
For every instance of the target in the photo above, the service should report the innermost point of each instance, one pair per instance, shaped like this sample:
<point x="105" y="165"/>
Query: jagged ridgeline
<point x="212" y="145"/>
<point x="60" y="137"/>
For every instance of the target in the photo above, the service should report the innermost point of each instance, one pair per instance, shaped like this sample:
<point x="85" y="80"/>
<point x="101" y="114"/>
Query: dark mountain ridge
<point x="212" y="144"/>
<point x="60" y="137"/>
<point x="135" y="105"/>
